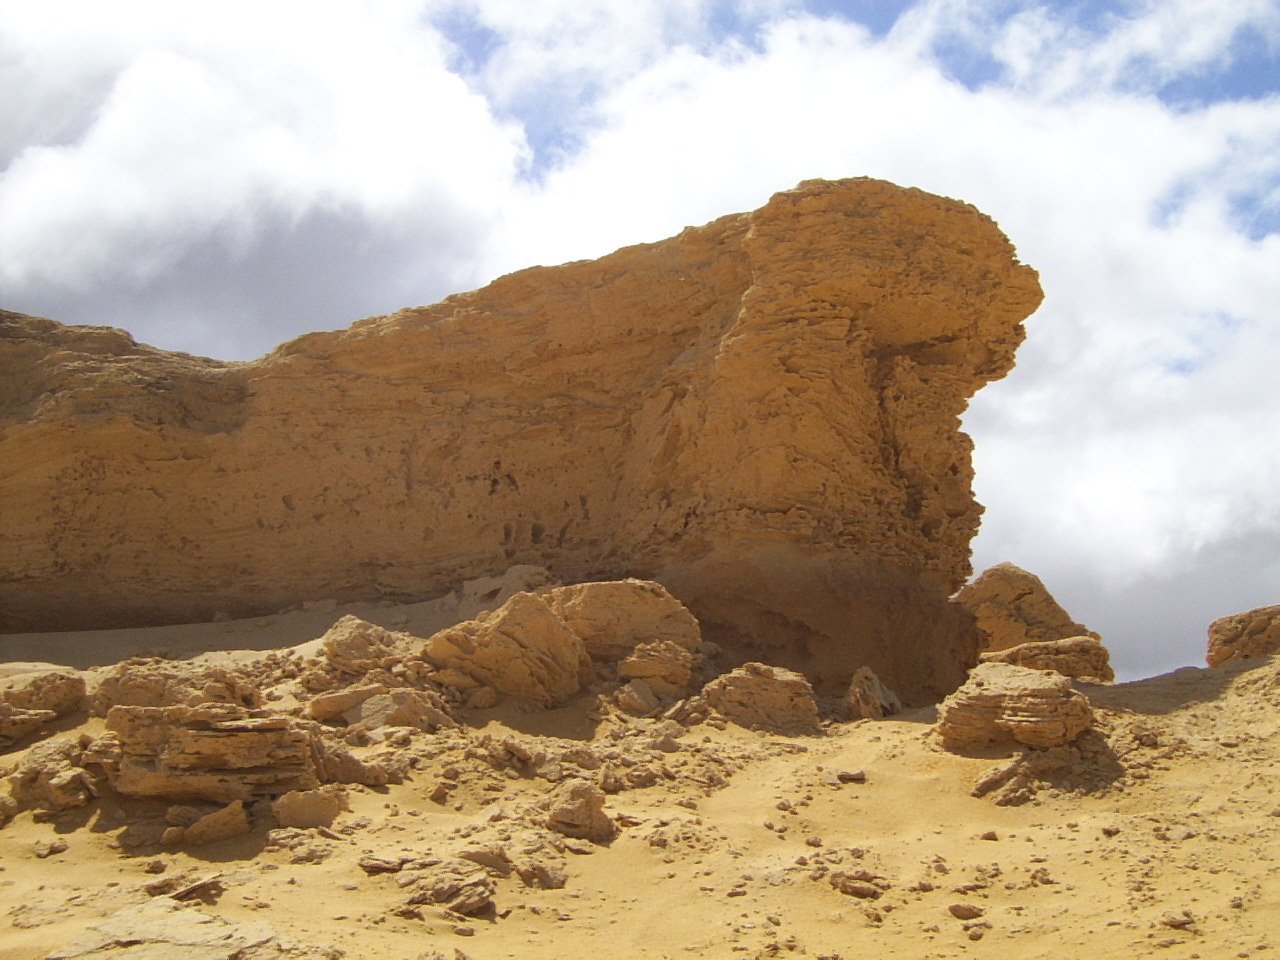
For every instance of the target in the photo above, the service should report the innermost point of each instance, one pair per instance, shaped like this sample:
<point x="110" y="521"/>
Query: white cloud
<point x="283" y="163"/>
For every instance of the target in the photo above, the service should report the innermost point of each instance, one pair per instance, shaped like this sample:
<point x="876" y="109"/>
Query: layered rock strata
<point x="760" y="413"/>
<point x="1003" y="702"/>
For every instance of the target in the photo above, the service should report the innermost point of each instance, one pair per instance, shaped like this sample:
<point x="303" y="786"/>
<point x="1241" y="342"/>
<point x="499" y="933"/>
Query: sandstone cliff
<point x="761" y="413"/>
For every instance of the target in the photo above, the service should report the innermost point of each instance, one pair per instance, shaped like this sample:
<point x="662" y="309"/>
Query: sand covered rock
<point x="209" y="752"/>
<point x="58" y="774"/>
<point x="1013" y="607"/>
<point x="1001" y="702"/>
<point x="763" y="697"/>
<point x="60" y="691"/>
<point x="868" y="698"/>
<point x="352" y="647"/>
<point x="303" y="809"/>
<point x="760" y="413"/>
<point x="613" y="617"/>
<point x="1243" y="636"/>
<point x="1081" y="658"/>
<point x="522" y="650"/>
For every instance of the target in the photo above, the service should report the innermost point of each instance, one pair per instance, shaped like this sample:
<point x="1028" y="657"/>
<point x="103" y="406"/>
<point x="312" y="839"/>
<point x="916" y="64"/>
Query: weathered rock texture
<point x="1081" y="658"/>
<point x="761" y="413"/>
<point x="765" y="697"/>
<point x="868" y="698"/>
<point x="1243" y="636"/>
<point x="1001" y="702"/>
<point x="1013" y="607"/>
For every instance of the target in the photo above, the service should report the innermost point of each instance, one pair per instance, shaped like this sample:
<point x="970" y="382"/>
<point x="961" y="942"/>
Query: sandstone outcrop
<point x="1013" y="607"/>
<point x="209" y="752"/>
<point x="764" y="697"/>
<point x="665" y="666"/>
<point x="160" y="683"/>
<point x="1243" y="636"/>
<point x="760" y="413"/>
<point x="1002" y="702"/>
<point x="30" y="699"/>
<point x="868" y="698"/>
<point x="1081" y="658"/>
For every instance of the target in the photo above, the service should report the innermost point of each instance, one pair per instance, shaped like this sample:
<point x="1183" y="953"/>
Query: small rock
<point x="965" y="911"/>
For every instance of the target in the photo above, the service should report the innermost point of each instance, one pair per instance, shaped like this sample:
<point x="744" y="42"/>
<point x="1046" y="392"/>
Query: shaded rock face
<point x="1013" y="607"/>
<point x="760" y="413"/>
<point x="1243" y="636"/>
<point x="1003" y="702"/>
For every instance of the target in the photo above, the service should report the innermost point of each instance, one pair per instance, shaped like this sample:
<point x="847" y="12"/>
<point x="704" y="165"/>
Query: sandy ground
<point x="1171" y="854"/>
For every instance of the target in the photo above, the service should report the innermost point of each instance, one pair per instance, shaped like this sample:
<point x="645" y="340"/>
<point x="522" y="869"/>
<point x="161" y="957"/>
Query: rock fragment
<point x="1080" y="658"/>
<point x="304" y="809"/>
<point x="224" y="824"/>
<point x="868" y="698"/>
<point x="664" y="665"/>
<point x="763" y="697"/>
<point x="1244" y="636"/>
<point x="1001" y="702"/>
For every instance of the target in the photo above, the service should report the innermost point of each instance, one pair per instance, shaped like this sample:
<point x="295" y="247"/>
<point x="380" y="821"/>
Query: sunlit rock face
<point x="760" y="413"/>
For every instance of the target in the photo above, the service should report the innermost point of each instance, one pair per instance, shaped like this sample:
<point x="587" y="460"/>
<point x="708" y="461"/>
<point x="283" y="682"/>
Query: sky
<point x="217" y="178"/>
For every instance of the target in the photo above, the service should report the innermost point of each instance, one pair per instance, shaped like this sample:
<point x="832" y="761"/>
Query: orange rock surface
<point x="760" y="413"/>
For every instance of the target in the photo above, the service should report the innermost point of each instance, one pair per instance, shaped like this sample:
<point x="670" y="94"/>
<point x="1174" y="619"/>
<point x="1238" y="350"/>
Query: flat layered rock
<point x="1081" y="658"/>
<point x="1002" y="702"/>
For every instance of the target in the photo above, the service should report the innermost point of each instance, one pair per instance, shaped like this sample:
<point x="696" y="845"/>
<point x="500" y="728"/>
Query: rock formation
<point x="1001" y="702"/>
<point x="1013" y="607"/>
<point x="1243" y="636"/>
<point x="764" y="697"/>
<point x="1081" y="658"/>
<point x="868" y="698"/>
<point x="760" y="413"/>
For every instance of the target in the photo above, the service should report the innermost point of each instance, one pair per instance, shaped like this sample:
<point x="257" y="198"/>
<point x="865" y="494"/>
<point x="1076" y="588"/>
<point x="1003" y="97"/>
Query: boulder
<point x="217" y="752"/>
<point x="400" y="708"/>
<point x="1013" y="607"/>
<point x="352" y="647"/>
<point x="764" y="697"/>
<point x="1244" y="636"/>
<point x="576" y="809"/>
<point x="59" y="691"/>
<point x="1081" y="658"/>
<point x="56" y="775"/>
<point x="761" y="413"/>
<point x="522" y="650"/>
<point x="664" y="665"/>
<point x="1002" y="702"/>
<point x="303" y="809"/>
<point x="868" y="698"/>
<point x="17" y="723"/>
<point x="613" y="617"/>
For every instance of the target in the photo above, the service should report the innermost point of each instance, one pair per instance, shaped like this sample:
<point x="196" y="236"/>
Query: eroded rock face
<point x="1243" y="636"/>
<point x="613" y="617"/>
<point x="1001" y="701"/>
<point x="868" y="698"/>
<point x="760" y="413"/>
<point x="1081" y="658"/>
<point x="1013" y="607"/>
<point x="764" y="697"/>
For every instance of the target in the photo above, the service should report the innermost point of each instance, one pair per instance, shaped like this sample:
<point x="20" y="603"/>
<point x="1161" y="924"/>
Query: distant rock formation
<point x="1243" y="636"/>
<point x="760" y="413"/>
<point x="1014" y="607"/>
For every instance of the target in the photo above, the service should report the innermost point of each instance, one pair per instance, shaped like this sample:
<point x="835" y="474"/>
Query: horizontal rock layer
<point x="761" y="413"/>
